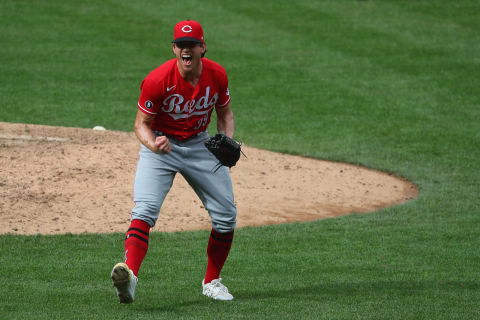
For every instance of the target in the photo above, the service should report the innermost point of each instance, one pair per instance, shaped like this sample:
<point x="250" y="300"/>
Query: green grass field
<point x="387" y="84"/>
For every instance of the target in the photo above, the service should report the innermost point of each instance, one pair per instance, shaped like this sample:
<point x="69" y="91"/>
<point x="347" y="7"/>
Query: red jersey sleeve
<point x="224" y="93"/>
<point x="150" y="96"/>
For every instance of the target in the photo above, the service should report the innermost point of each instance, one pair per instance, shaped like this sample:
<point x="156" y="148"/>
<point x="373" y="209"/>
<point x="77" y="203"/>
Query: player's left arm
<point x="225" y="121"/>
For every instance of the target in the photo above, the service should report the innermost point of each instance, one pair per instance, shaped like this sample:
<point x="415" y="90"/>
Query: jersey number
<point x="201" y="123"/>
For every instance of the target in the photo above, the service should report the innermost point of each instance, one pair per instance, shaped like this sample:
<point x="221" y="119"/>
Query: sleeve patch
<point x="148" y="104"/>
<point x="145" y="108"/>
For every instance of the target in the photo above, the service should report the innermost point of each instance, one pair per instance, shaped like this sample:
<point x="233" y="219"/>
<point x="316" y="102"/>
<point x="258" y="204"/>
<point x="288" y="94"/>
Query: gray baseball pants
<point x="155" y="174"/>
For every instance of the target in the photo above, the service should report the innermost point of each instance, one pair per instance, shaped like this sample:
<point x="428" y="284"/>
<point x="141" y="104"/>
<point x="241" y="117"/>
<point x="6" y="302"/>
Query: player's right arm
<point x="144" y="133"/>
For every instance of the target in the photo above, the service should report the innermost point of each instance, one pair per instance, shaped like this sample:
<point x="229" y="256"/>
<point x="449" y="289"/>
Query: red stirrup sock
<point x="217" y="251"/>
<point x="136" y="244"/>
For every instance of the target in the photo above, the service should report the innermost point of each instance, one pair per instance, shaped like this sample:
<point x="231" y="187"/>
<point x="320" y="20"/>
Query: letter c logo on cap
<point x="187" y="29"/>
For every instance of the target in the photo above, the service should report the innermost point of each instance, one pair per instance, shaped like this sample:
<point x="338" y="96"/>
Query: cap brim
<point x="187" y="39"/>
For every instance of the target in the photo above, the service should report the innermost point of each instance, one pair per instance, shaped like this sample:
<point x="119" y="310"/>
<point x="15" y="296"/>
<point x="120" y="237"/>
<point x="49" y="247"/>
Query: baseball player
<point x="174" y="109"/>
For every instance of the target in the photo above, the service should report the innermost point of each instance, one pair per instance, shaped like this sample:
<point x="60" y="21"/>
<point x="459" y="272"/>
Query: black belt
<point x="160" y="133"/>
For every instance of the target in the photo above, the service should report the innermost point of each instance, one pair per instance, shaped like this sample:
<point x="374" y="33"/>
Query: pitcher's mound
<point x="60" y="180"/>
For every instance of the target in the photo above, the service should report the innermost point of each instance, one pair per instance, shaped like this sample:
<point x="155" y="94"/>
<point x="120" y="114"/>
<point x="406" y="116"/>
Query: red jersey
<point x="180" y="109"/>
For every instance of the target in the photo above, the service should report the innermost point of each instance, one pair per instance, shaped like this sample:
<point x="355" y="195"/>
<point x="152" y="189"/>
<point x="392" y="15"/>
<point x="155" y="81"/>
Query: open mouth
<point x="187" y="59"/>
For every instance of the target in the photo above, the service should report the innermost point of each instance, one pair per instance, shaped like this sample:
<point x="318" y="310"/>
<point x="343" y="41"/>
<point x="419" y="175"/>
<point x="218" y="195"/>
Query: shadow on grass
<point x="321" y="292"/>
<point x="363" y="289"/>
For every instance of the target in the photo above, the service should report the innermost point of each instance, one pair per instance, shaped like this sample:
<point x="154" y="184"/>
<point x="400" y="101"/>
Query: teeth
<point x="186" y="56"/>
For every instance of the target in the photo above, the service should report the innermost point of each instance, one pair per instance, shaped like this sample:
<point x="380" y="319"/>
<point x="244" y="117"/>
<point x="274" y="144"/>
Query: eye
<point x="186" y="44"/>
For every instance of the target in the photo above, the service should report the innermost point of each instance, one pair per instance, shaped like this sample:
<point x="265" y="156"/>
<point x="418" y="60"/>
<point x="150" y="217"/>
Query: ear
<point x="204" y="46"/>
<point x="173" y="48"/>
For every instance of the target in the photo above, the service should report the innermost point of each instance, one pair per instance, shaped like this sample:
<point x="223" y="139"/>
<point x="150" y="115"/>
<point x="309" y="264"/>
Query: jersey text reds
<point x="180" y="109"/>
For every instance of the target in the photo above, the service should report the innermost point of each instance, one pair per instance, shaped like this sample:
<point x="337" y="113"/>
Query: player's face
<point x="188" y="54"/>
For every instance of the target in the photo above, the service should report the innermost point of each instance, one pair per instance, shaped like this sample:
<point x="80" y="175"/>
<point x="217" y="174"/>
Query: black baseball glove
<point x="225" y="149"/>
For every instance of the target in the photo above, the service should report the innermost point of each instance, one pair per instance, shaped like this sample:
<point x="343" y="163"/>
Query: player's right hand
<point x="163" y="144"/>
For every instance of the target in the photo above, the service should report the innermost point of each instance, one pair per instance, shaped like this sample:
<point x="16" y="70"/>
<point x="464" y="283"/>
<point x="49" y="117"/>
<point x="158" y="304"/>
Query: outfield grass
<point x="391" y="85"/>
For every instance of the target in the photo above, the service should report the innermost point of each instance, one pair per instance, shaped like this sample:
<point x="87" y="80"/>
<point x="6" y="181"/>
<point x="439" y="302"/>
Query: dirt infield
<point x="68" y="180"/>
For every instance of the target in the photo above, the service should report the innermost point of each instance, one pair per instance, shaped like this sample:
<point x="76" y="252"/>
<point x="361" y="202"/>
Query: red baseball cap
<point x="188" y="30"/>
